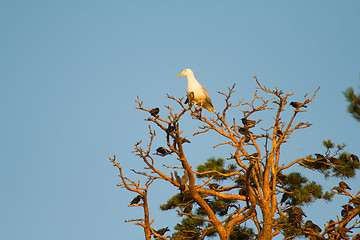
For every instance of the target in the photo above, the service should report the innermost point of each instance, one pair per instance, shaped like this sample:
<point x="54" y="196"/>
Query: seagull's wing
<point x="207" y="104"/>
<point x="207" y="96"/>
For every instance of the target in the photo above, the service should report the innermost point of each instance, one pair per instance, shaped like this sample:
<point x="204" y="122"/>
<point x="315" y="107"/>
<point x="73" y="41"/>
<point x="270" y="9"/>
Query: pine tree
<point x="252" y="193"/>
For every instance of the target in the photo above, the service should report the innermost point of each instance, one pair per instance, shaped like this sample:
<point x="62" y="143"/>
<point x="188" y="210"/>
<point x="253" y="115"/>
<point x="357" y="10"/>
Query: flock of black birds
<point x="295" y="213"/>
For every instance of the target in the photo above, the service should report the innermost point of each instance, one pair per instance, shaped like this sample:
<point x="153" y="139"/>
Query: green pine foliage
<point x="217" y="164"/>
<point x="354" y="100"/>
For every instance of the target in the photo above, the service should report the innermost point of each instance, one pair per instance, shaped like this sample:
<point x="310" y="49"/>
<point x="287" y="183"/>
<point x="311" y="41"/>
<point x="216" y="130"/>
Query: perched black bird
<point x="297" y="105"/>
<point x="334" y="161"/>
<point x="284" y="197"/>
<point x="188" y="208"/>
<point x="244" y="131"/>
<point x="154" y="112"/>
<point x="254" y="155"/>
<point x="136" y="200"/>
<point x="343" y="185"/>
<point x="170" y="128"/>
<point x="308" y="224"/>
<point x="311" y="225"/>
<point x="279" y="132"/>
<point x="242" y="191"/>
<point x="213" y="186"/>
<point x="344" y="213"/>
<point x="248" y="123"/>
<point x="355" y="158"/>
<point x="247" y="139"/>
<point x="319" y="156"/>
<point x="162" y="151"/>
<point x="298" y="211"/>
<point x="162" y="231"/>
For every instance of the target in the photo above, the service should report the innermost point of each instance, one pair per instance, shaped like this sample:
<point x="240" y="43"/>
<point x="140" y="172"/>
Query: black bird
<point x="319" y="156"/>
<point x="254" y="155"/>
<point x="170" y="128"/>
<point x="298" y="211"/>
<point x="247" y="139"/>
<point x="188" y="208"/>
<point x="297" y="105"/>
<point x="248" y="123"/>
<point x="284" y="197"/>
<point x="242" y="191"/>
<point x="136" y="200"/>
<point x="279" y="132"/>
<point x="344" y="213"/>
<point x="334" y="161"/>
<point x="162" y="151"/>
<point x="343" y="185"/>
<point x="313" y="226"/>
<point x="213" y="186"/>
<point x="162" y="231"/>
<point x="308" y="224"/>
<point x="355" y="158"/>
<point x="154" y="112"/>
<point x="243" y="130"/>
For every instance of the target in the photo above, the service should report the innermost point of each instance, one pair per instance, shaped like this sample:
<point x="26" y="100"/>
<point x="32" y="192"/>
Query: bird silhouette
<point x="248" y="123"/>
<point x="154" y="112"/>
<point x="343" y="185"/>
<point x="162" y="231"/>
<point x="297" y="105"/>
<point x="284" y="197"/>
<point x="355" y="158"/>
<point x="136" y="200"/>
<point x="170" y="129"/>
<point x="213" y="186"/>
<point x="334" y="161"/>
<point x="244" y="131"/>
<point x="162" y="151"/>
<point x="201" y="96"/>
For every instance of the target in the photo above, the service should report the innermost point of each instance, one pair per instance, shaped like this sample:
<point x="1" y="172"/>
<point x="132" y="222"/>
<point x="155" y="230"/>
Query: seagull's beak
<point x="181" y="74"/>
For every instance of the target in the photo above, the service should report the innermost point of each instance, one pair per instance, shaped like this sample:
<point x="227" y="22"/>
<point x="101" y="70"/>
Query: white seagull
<point x="196" y="92"/>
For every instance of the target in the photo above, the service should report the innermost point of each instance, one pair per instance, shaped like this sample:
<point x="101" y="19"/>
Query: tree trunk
<point x="266" y="231"/>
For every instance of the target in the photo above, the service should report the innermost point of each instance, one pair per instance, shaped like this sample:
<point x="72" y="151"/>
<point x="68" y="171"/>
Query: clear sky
<point x="71" y="70"/>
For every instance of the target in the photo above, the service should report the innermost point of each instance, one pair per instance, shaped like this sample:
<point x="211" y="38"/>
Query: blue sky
<point x="70" y="72"/>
